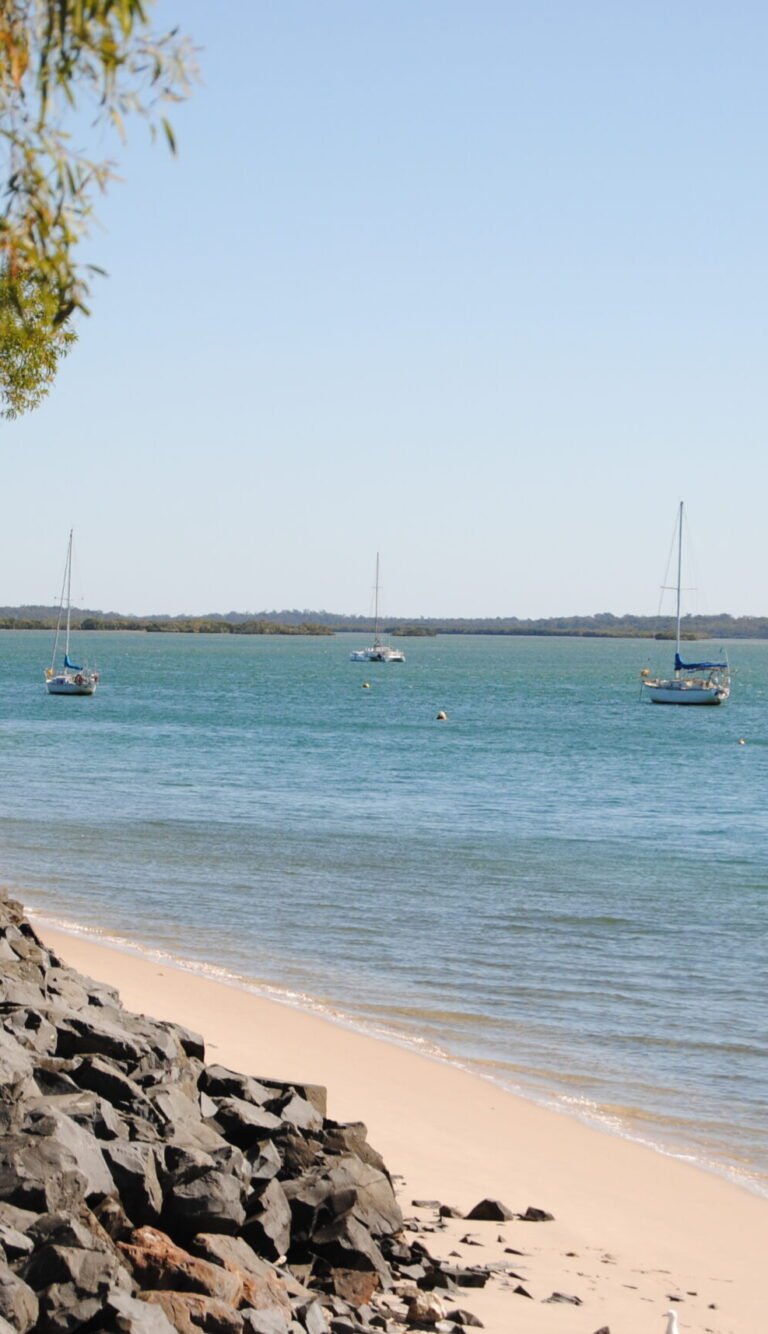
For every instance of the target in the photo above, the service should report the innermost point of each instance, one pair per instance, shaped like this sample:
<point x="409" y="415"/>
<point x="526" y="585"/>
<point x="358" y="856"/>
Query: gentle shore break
<point x="632" y="1230"/>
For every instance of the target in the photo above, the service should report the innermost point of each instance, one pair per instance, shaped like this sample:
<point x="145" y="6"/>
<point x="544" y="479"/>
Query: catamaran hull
<point x="377" y="655"/>
<point x="683" y="694"/>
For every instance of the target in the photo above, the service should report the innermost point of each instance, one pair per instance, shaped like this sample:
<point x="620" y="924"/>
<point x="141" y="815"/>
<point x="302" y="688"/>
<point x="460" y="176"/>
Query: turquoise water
<point x="560" y="887"/>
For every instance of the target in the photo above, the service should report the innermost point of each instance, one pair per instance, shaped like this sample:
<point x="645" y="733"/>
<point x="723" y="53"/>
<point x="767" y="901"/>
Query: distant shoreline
<point x="602" y="626"/>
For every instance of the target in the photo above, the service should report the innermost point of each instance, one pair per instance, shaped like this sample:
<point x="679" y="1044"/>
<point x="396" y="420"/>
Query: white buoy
<point x="442" y="716"/>
<point x="672" y="1325"/>
<point x="366" y="685"/>
<point x="742" y="742"/>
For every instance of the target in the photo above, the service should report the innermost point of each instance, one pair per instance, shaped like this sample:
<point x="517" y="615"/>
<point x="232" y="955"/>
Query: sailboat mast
<point x="679" y="573"/>
<point x="376" y="604"/>
<point x="69" y="590"/>
<point x="58" y="619"/>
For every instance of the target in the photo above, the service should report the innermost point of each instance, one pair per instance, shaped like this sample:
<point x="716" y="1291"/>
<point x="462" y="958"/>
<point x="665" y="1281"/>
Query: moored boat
<point x="378" y="651"/>
<point x="72" y="679"/>
<point x="692" y="682"/>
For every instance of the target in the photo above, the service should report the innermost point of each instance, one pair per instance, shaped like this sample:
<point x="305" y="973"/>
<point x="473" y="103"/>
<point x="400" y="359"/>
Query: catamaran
<point x="692" y="682"/>
<point x="72" y="680"/>
<point x="378" y="651"/>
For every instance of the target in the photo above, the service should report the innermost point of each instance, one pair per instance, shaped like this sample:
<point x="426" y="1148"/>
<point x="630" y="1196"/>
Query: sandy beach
<point x="632" y="1230"/>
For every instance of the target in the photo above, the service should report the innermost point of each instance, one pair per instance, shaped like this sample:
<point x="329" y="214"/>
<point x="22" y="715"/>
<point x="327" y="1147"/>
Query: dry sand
<point x="633" y="1228"/>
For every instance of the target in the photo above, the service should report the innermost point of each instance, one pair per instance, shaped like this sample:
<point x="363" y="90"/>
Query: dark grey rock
<point x="213" y="1201"/>
<point x="20" y="1220"/>
<point x="18" y="1302"/>
<point x="219" y="1082"/>
<point x="89" y="1111"/>
<point x="72" y="1284"/>
<point x="32" y="1029"/>
<point x="208" y="1106"/>
<point x="347" y="1185"/>
<point x="462" y="1317"/>
<point x="16" y="1070"/>
<point x="470" y="1277"/>
<point x="351" y="1137"/>
<point x="39" y="1174"/>
<point x="94" y="1033"/>
<point x="105" y="1077"/>
<point x="564" y="1297"/>
<point x="266" y="1164"/>
<point x="134" y="1170"/>
<point x="49" y="1123"/>
<point x="300" y="1154"/>
<point x="189" y="1312"/>
<point x="264" y="1322"/>
<point x="123" y="1314"/>
<point x="15" y="1244"/>
<point x="344" y="1243"/>
<point x="53" y="1077"/>
<point x="490" y="1210"/>
<point x="313" y="1318"/>
<point x="244" y="1123"/>
<point x="67" y="987"/>
<point x="268" y="1228"/>
<point x="299" y="1112"/>
<point x="191" y="1042"/>
<point x="533" y="1215"/>
<point x="317" y="1094"/>
<point x="113" y="1218"/>
<point x="163" y="1042"/>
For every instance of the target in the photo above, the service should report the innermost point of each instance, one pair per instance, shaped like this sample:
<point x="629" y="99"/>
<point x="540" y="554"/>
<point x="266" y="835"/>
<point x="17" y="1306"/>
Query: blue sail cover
<point x="681" y="666"/>
<point x="73" y="667"/>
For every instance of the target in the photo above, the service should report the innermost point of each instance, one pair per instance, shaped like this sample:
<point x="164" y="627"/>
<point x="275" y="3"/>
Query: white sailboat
<point x="692" y="682"/>
<point x="71" y="680"/>
<point x="378" y="651"/>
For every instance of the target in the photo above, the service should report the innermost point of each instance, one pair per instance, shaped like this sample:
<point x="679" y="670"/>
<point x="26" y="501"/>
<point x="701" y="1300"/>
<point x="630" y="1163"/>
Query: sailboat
<point x="378" y="651"/>
<point x="692" y="682"/>
<point x="71" y="680"/>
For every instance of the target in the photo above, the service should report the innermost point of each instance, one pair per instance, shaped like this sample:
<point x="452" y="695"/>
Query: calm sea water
<point x="560" y="887"/>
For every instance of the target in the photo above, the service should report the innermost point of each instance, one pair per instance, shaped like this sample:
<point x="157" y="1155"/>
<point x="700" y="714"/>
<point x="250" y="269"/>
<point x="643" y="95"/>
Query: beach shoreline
<point x="603" y="1120"/>
<point x="633" y="1228"/>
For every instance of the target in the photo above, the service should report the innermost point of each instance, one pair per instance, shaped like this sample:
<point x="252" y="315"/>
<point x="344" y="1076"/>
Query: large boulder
<point x="158" y="1263"/>
<point x="263" y="1288"/>
<point x="134" y="1169"/>
<point x="99" y="1033"/>
<point x="268" y="1228"/>
<point x="72" y="1271"/>
<point x="190" y="1312"/>
<point x="123" y="1314"/>
<point x="48" y="1123"/>
<point x="18" y="1302"/>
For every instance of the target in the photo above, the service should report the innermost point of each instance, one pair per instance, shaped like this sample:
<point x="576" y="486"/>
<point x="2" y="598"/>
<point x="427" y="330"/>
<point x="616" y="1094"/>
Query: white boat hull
<point x="685" y="692"/>
<point x="380" y="653"/>
<point x="70" y="685"/>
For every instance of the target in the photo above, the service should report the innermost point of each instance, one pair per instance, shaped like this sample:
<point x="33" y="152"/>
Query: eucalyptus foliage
<point x="66" y="66"/>
<point x="31" y="343"/>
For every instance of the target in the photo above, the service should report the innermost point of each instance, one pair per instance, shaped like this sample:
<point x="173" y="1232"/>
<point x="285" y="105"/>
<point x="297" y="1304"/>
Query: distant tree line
<point x="188" y="625"/>
<point x="604" y="625"/>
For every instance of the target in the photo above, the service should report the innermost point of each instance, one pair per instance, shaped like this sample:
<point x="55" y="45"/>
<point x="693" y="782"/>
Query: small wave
<point x="613" y="1120"/>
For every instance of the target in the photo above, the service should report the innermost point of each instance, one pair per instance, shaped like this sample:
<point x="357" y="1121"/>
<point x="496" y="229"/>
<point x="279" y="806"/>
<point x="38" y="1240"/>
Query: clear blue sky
<point x="480" y="285"/>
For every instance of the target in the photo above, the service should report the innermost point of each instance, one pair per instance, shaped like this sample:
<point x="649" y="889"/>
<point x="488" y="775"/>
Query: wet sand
<point x="633" y="1228"/>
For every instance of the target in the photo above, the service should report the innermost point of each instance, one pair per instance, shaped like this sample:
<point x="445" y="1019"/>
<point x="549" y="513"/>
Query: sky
<point x="477" y="284"/>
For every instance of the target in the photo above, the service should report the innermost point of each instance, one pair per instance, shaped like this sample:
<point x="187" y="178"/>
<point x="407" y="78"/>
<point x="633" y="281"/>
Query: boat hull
<point x="65" y="685"/>
<point x="377" y="655"/>
<point x="684" y="692"/>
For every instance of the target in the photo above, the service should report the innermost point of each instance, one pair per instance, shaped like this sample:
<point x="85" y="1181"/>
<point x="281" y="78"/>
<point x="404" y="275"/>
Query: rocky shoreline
<point x="143" y="1190"/>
